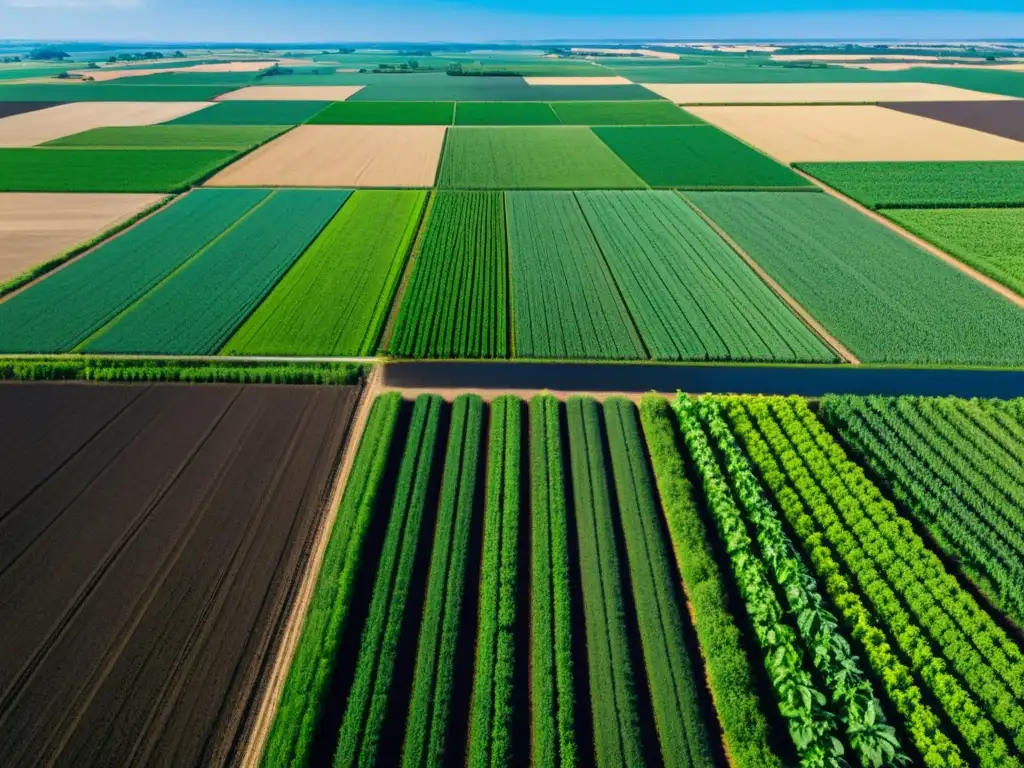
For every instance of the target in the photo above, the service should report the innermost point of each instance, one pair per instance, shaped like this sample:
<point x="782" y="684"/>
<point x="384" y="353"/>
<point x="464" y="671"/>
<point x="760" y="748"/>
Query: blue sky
<point x="480" y="20"/>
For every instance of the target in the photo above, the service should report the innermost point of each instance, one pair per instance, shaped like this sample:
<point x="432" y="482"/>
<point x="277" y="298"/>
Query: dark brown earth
<point x="151" y="537"/>
<point x="8" y="108"/>
<point x="1000" y="118"/>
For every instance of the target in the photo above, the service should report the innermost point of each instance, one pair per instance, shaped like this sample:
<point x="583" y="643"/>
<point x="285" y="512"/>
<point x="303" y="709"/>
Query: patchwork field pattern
<point x="531" y="158"/>
<point x="171" y="137"/>
<point x="855" y="133"/>
<point x="106" y="170"/>
<point x="456" y="303"/>
<point x="695" y="157"/>
<point x="565" y="303"/>
<point x="692" y="298"/>
<point x="336" y="298"/>
<point x="342" y="156"/>
<point x="925" y="185"/>
<point x="93" y="290"/>
<point x="83" y="92"/>
<point x="386" y="113"/>
<point x="989" y="239"/>
<point x="193" y="496"/>
<point x="254" y="113"/>
<point x="28" y="129"/>
<point x="843" y="267"/>
<point x="198" y="308"/>
<point x="291" y="93"/>
<point x="35" y="228"/>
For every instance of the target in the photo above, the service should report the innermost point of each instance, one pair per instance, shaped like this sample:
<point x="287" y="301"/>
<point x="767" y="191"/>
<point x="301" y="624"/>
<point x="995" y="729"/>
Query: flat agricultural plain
<point x="342" y="156"/>
<point x="153" y="536"/>
<point x="35" y="228"/>
<point x="1000" y="118"/>
<point x="811" y="93"/>
<point x="286" y="113"/>
<point x="855" y="133"/>
<point x="237" y="137"/>
<point x="37" y="127"/>
<point x="292" y="93"/>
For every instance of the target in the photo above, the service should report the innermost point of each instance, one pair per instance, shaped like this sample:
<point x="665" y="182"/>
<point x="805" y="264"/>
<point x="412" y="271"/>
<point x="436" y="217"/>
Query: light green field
<point x="172" y="137"/>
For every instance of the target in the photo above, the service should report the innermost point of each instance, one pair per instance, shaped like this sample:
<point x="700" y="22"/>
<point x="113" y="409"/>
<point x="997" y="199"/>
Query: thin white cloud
<point x="74" y="3"/>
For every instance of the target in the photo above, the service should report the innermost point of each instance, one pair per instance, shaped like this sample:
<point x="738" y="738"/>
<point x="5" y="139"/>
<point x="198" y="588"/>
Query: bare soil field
<point x="616" y="80"/>
<point x="9" y="108"/>
<point x="811" y="93"/>
<point x="105" y="75"/>
<point x="38" y="227"/>
<point x="37" y="127"/>
<point x="145" y="642"/>
<point x="342" y="156"/>
<point x="855" y="133"/>
<point x="291" y="93"/>
<point x="1000" y="118"/>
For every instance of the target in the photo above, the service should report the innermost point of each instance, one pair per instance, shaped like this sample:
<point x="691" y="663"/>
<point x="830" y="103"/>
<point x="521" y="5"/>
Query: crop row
<point x="956" y="465"/>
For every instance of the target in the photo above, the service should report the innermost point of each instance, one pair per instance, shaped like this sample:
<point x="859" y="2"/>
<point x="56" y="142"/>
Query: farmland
<point x="531" y="158"/>
<point x="198" y="307"/>
<point x="925" y="185"/>
<point x="90" y="299"/>
<point x="921" y="309"/>
<point x="171" y="137"/>
<point x="621" y="113"/>
<point x="35" y="127"/>
<point x="695" y="157"/>
<point x="510" y="113"/>
<point x="195" y="497"/>
<point x="106" y="170"/>
<point x="456" y="303"/>
<point x="691" y="296"/>
<point x="253" y="113"/>
<point x="386" y="113"/>
<point x="989" y="239"/>
<point x="334" y="301"/>
<point x="1000" y="118"/>
<point x="564" y="301"/>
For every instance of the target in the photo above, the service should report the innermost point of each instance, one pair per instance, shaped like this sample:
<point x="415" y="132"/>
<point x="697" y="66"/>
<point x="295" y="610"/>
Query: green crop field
<point x="334" y="301"/>
<point x="253" y="113"/>
<point x="456" y="303"/>
<point x="692" y="298"/>
<point x="696" y="157"/>
<point x="531" y="158"/>
<point x="228" y="80"/>
<point x="622" y="113"/>
<point x="565" y="303"/>
<point x="106" y="170"/>
<point x="171" y="137"/>
<point x="197" y="308"/>
<point x="925" y="185"/>
<point x="110" y="92"/>
<point x="885" y="299"/>
<point x="386" y="113"/>
<point x="989" y="239"/>
<point x="437" y="86"/>
<point x="511" y="113"/>
<point x="93" y="290"/>
<point x="756" y="71"/>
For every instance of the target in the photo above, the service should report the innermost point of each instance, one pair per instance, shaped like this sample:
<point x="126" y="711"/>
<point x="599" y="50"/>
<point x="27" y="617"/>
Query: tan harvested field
<point x="733" y="48"/>
<point x="645" y="52"/>
<point x="855" y="133"/>
<point x="616" y="80"/>
<point x="811" y="93"/>
<point x="103" y="75"/>
<point x="291" y="93"/>
<point x="341" y="156"/>
<point x="899" y="67"/>
<point x="860" y="57"/>
<point x="35" y="228"/>
<point x="39" y="126"/>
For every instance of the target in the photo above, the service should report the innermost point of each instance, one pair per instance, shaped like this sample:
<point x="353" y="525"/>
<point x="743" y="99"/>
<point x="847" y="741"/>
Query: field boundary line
<point x="920" y="242"/>
<point x="807" y="318"/>
<point x="70" y="256"/>
<point x="268" y="700"/>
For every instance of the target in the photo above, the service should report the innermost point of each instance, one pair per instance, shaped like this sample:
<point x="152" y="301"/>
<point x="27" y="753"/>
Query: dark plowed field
<point x="1001" y="118"/>
<point x="150" y="538"/>
<point x="8" y="108"/>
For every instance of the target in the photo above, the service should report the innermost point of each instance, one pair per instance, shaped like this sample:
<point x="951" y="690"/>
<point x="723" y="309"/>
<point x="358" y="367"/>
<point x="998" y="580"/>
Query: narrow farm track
<point x="988" y="282"/>
<point x="199" y="501"/>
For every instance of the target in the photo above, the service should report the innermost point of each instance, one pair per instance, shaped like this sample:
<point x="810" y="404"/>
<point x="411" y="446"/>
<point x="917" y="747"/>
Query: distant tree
<point x="92" y="65"/>
<point x="112" y="60"/>
<point x="346" y="50"/>
<point x="49" y="53"/>
<point x="179" y="55"/>
<point x="413" y="64"/>
<point x="455" y="68"/>
<point x="403" y="65"/>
